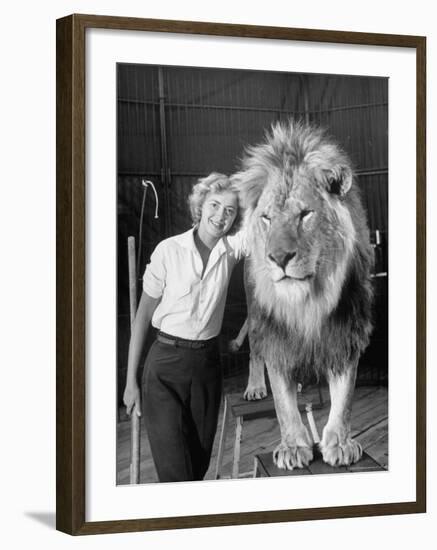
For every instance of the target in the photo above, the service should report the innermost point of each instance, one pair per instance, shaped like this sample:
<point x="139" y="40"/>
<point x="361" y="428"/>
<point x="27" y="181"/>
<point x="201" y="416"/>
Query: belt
<point x="182" y="343"/>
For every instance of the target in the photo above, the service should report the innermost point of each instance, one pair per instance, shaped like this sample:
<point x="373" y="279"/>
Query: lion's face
<point x="300" y="231"/>
<point x="288" y="225"/>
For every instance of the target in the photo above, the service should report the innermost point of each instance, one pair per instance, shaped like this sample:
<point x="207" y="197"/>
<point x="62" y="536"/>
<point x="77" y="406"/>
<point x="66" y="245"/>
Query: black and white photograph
<point x="218" y="274"/>
<point x="252" y="274"/>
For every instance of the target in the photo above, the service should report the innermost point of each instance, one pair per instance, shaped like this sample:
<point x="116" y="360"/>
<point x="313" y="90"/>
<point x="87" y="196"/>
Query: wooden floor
<point x="369" y="426"/>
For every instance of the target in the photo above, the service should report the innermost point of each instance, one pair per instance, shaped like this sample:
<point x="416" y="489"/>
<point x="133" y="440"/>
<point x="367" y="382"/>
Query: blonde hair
<point x="214" y="183"/>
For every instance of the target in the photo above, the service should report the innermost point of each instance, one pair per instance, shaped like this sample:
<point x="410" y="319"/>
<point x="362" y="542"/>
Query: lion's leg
<point x="256" y="385"/>
<point x="295" y="449"/>
<point x="337" y="446"/>
<point x="236" y="343"/>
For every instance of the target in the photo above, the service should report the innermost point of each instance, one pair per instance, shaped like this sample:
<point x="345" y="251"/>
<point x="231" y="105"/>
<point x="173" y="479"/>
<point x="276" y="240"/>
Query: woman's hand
<point x="132" y="399"/>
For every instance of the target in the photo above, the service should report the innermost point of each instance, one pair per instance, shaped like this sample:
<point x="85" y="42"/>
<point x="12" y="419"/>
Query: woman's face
<point x="218" y="214"/>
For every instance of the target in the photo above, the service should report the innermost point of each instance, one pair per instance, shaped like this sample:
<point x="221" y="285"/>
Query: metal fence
<point x="176" y="124"/>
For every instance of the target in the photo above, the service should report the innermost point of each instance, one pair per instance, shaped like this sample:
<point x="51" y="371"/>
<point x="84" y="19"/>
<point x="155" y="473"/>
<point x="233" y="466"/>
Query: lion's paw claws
<point x="255" y="393"/>
<point x="343" y="454"/>
<point x="289" y="457"/>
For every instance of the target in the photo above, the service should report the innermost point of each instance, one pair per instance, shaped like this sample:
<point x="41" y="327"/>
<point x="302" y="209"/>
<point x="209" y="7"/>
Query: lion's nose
<point x="282" y="257"/>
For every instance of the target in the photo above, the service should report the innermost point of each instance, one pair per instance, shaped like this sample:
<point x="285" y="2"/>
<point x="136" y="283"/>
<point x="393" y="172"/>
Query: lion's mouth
<point x="290" y="278"/>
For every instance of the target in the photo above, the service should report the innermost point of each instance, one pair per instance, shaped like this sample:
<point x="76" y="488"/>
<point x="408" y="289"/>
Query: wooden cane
<point x="135" y="419"/>
<point x="311" y="422"/>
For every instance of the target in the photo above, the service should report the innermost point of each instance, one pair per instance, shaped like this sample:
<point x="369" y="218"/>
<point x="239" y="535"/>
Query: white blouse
<point x="191" y="306"/>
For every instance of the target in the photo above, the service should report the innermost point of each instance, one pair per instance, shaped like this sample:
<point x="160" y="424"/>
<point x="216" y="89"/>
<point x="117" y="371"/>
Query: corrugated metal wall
<point x="176" y="124"/>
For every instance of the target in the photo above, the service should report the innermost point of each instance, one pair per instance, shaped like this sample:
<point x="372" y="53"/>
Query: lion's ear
<point x="250" y="185"/>
<point x="339" y="180"/>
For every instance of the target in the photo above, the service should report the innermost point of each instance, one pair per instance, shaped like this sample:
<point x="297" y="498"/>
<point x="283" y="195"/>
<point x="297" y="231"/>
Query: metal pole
<point x="306" y="98"/>
<point x="165" y="169"/>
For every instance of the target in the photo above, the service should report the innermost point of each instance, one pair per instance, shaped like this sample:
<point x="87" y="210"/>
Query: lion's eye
<point x="265" y="219"/>
<point x="306" y="215"/>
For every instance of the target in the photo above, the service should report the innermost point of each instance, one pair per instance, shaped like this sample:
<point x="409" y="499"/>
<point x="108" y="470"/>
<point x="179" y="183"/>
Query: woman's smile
<point x="218" y="215"/>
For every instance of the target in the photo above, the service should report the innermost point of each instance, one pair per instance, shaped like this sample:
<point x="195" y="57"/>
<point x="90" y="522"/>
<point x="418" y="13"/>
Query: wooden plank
<point x="364" y="400"/>
<point x="373" y="433"/>
<point x="223" y="422"/>
<point x="260" y="470"/>
<point x="242" y="407"/>
<point x="267" y="467"/>
<point x="379" y="451"/>
<point x="365" y="464"/>
<point x="368" y="418"/>
<point x="237" y="446"/>
<point x="254" y="439"/>
<point x="261" y="407"/>
<point x="318" y="467"/>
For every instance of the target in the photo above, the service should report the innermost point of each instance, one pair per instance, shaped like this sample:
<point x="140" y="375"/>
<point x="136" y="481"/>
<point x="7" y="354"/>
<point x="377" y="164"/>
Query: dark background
<point x="176" y="124"/>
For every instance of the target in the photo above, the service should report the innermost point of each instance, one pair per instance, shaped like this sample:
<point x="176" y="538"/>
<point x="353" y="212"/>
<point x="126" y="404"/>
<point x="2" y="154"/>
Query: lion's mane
<point x="323" y="322"/>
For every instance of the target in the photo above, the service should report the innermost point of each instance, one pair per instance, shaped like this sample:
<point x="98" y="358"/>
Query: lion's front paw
<point x="234" y="345"/>
<point x="253" y="393"/>
<point x="340" y="452"/>
<point x="288" y="457"/>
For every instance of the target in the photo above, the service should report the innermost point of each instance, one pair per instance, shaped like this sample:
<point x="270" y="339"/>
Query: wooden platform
<point x="237" y="411"/>
<point x="261" y="435"/>
<point x="264" y="466"/>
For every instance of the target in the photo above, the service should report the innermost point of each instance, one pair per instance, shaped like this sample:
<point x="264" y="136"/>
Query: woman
<point x="184" y="294"/>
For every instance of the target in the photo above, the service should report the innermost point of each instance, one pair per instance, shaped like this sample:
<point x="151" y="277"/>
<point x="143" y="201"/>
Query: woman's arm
<point x="131" y="397"/>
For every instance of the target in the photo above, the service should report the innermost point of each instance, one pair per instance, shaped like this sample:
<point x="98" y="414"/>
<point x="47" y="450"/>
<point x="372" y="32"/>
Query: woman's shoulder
<point x="184" y="240"/>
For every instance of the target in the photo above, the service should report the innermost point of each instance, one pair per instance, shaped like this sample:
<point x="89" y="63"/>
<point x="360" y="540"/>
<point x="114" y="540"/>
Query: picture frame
<point x="72" y="408"/>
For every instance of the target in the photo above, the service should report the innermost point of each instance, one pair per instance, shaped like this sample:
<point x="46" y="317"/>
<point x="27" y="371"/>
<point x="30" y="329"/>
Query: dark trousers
<point x="181" y="393"/>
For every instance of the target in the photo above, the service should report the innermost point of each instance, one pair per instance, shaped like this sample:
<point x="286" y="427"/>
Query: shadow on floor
<point x="46" y="518"/>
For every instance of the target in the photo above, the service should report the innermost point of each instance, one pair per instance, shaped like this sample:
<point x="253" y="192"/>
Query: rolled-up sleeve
<point x="155" y="274"/>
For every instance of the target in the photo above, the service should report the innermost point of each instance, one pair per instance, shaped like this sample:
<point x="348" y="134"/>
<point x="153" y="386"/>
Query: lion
<point x="308" y="282"/>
